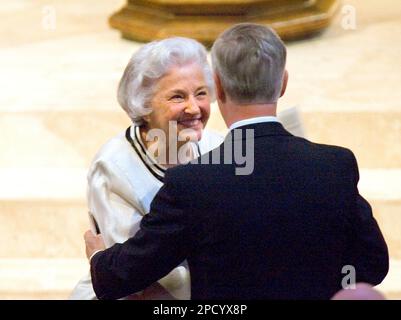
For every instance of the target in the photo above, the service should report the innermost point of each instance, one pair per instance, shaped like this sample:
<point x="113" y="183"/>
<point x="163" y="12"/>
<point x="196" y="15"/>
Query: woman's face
<point x="181" y="96"/>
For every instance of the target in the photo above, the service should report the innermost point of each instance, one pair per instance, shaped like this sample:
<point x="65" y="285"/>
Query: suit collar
<point x="261" y="129"/>
<point x="253" y="120"/>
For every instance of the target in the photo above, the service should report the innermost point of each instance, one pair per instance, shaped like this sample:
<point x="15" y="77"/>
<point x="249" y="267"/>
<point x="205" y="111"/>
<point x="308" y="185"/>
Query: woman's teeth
<point x="190" y="123"/>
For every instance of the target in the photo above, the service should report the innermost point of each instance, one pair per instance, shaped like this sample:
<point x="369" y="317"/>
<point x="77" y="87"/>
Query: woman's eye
<point x="202" y="93"/>
<point x="176" y="97"/>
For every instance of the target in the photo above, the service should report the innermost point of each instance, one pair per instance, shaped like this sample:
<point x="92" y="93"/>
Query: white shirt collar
<point x="252" y="121"/>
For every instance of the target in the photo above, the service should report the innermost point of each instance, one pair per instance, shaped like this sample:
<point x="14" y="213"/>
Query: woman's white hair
<point x="150" y="63"/>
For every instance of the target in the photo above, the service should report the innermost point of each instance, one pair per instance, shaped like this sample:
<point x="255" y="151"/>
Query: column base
<point x="204" y="20"/>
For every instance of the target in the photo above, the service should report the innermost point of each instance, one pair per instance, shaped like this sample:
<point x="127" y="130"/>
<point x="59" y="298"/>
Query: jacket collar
<point x="259" y="130"/>
<point x="132" y="134"/>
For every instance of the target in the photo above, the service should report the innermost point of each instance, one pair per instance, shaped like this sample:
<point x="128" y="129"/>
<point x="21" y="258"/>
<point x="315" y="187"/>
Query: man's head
<point x="249" y="64"/>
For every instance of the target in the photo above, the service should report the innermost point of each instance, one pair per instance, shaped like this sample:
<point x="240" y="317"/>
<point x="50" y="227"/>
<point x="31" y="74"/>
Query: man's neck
<point x="242" y="112"/>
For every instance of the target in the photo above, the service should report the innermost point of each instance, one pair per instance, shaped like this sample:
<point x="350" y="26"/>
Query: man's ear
<point x="285" y="81"/>
<point x="221" y="95"/>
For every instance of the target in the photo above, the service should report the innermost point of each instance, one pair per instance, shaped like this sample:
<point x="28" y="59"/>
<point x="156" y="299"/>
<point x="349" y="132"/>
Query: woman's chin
<point x="193" y="133"/>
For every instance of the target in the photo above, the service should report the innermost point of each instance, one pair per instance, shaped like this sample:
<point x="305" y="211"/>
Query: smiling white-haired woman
<point x="166" y="90"/>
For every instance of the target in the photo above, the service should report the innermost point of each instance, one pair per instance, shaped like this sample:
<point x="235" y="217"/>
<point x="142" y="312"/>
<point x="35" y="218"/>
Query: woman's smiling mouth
<point x="193" y="122"/>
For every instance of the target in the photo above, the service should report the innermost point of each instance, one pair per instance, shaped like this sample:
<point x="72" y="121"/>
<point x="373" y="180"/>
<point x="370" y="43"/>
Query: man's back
<point x="282" y="231"/>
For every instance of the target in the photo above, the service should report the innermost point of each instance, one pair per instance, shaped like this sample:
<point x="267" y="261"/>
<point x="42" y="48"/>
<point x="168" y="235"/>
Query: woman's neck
<point x="160" y="150"/>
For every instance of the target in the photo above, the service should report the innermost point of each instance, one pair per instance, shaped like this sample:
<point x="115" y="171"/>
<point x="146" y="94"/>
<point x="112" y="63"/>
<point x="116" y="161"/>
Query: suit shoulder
<point x="187" y="174"/>
<point x="182" y="170"/>
<point x="333" y="150"/>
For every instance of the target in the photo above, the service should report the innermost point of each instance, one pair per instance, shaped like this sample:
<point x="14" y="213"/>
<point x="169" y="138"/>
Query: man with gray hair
<point x="283" y="231"/>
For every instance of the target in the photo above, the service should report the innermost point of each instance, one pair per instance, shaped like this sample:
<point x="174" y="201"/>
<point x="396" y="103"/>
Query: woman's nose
<point x="192" y="106"/>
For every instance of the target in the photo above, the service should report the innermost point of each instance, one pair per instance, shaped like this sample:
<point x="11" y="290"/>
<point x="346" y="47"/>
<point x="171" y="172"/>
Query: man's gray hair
<point x="250" y="61"/>
<point x="150" y="63"/>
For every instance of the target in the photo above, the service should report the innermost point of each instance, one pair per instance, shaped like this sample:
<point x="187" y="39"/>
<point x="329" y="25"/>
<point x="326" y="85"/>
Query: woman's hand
<point x="154" y="292"/>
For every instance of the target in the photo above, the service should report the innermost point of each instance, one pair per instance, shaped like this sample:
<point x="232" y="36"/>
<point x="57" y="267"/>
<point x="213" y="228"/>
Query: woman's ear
<point x="220" y="94"/>
<point x="285" y="81"/>
<point x="146" y="118"/>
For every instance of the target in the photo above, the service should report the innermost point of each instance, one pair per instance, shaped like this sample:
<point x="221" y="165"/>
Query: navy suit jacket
<point x="283" y="232"/>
